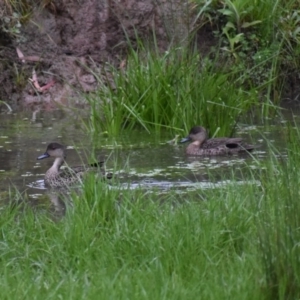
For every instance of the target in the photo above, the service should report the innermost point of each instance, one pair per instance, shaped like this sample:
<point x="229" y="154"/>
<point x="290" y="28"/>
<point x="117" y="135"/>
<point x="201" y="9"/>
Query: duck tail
<point x="98" y="164"/>
<point x="249" y="147"/>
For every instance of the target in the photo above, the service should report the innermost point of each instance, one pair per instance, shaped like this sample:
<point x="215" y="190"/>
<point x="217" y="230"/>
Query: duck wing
<point x="89" y="167"/>
<point x="228" y="143"/>
<point x="217" y="142"/>
<point x="79" y="171"/>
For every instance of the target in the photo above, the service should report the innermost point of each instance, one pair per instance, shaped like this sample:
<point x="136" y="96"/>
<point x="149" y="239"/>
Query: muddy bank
<point x="66" y="44"/>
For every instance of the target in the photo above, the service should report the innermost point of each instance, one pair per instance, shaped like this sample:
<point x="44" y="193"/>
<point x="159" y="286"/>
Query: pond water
<point x="138" y="160"/>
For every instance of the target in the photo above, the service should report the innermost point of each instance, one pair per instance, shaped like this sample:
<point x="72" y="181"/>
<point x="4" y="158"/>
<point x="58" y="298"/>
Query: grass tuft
<point x="175" y="90"/>
<point x="238" y="241"/>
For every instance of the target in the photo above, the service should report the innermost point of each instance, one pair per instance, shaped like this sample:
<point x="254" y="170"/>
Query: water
<point x="139" y="160"/>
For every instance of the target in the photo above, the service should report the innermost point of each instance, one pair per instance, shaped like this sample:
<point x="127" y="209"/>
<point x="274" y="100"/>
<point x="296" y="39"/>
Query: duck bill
<point x="186" y="139"/>
<point x="45" y="155"/>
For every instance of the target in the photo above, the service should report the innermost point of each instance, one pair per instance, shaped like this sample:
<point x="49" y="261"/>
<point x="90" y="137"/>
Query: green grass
<point x="140" y="250"/>
<point x="234" y="242"/>
<point x="260" y="38"/>
<point x="254" y="58"/>
<point x="174" y="91"/>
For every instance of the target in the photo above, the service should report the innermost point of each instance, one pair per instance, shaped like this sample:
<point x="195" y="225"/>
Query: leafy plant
<point x="13" y="15"/>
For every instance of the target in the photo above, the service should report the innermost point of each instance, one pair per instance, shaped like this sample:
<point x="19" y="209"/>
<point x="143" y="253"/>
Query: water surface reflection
<point x="138" y="160"/>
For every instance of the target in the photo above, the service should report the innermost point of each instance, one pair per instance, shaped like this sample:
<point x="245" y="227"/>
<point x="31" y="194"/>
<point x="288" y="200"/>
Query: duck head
<point x="54" y="150"/>
<point x="197" y="133"/>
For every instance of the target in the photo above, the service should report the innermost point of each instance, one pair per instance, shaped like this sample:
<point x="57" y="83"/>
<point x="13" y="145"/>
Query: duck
<point x="55" y="177"/>
<point x="202" y="145"/>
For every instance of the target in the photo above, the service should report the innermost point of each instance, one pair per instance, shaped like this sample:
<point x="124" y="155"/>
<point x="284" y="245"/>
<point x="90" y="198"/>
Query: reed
<point x="238" y="241"/>
<point x="171" y="91"/>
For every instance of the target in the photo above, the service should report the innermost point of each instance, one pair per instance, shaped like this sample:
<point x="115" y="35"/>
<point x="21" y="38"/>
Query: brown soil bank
<point x="65" y="43"/>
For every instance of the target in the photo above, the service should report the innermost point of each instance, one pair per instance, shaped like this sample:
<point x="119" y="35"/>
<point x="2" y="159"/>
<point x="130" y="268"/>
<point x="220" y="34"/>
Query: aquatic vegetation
<point x="238" y="238"/>
<point x="231" y="240"/>
<point x="179" y="88"/>
<point x="175" y="90"/>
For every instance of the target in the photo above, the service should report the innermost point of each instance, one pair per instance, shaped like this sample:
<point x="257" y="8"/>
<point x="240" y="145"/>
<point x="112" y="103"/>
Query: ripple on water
<point x="185" y="186"/>
<point x="152" y="164"/>
<point x="38" y="184"/>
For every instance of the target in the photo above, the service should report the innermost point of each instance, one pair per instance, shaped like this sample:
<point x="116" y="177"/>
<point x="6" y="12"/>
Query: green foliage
<point x="247" y="29"/>
<point x="13" y="15"/>
<point x="278" y="222"/>
<point x="175" y="90"/>
<point x="238" y="241"/>
<point x="289" y="26"/>
<point x="11" y="25"/>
